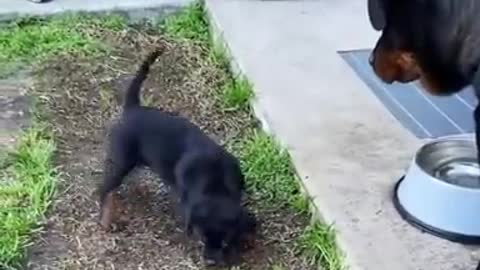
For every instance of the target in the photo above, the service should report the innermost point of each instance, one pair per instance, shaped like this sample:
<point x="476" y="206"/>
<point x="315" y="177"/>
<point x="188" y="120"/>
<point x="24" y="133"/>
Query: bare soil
<point x="14" y="109"/>
<point x="80" y="97"/>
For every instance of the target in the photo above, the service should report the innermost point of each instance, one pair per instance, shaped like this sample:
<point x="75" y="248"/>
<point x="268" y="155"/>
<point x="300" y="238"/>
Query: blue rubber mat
<point x="426" y="116"/>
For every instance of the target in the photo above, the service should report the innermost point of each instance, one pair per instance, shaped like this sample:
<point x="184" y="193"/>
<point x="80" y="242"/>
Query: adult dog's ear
<point x="376" y="13"/>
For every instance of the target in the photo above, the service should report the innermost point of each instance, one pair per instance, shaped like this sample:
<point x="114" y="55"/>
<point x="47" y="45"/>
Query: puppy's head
<point x="430" y="40"/>
<point x="211" y="187"/>
<point x="218" y="220"/>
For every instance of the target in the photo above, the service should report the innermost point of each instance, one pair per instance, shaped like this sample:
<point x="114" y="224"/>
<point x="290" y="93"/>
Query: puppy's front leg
<point x="213" y="252"/>
<point x="185" y="212"/>
<point x="188" y="228"/>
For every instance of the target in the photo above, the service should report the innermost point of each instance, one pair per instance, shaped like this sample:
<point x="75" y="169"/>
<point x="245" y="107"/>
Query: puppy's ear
<point x="184" y="170"/>
<point x="240" y="177"/>
<point x="234" y="172"/>
<point x="377" y="13"/>
<point x="242" y="181"/>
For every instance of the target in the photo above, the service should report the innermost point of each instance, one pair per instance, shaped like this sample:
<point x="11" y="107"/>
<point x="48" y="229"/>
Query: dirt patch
<point x="14" y="108"/>
<point x="80" y="97"/>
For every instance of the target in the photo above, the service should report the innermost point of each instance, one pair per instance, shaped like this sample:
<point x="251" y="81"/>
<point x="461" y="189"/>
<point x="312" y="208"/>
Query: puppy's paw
<point x="209" y="262"/>
<point x="251" y="223"/>
<point x="188" y="229"/>
<point x="248" y="223"/>
<point x="105" y="222"/>
<point x="214" y="258"/>
<point x="119" y="226"/>
<point x="112" y="217"/>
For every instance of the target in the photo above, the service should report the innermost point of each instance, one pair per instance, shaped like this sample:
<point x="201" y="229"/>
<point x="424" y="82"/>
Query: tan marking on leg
<point x="107" y="211"/>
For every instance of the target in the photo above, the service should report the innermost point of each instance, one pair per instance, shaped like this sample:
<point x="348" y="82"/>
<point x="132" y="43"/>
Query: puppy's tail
<point x="132" y="97"/>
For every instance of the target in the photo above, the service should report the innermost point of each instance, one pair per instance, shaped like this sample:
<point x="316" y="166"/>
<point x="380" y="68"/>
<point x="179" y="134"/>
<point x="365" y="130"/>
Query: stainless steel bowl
<point x="451" y="161"/>
<point x="440" y="192"/>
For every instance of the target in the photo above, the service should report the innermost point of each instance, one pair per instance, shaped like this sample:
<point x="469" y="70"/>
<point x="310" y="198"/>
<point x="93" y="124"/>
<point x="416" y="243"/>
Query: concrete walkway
<point x="347" y="148"/>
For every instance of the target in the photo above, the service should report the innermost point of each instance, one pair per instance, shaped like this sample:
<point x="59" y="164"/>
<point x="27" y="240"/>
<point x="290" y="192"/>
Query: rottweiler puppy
<point x="434" y="41"/>
<point x="206" y="179"/>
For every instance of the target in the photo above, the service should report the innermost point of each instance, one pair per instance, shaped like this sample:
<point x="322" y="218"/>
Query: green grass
<point x="277" y="267"/>
<point x="219" y="56"/>
<point x="268" y="169"/>
<point x="190" y="23"/>
<point x="29" y="40"/>
<point x="271" y="177"/>
<point x="26" y="188"/>
<point x="318" y="243"/>
<point x="236" y="94"/>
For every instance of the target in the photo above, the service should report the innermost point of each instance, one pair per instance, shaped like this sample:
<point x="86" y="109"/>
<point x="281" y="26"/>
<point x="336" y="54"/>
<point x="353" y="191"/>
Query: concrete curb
<point x="135" y="10"/>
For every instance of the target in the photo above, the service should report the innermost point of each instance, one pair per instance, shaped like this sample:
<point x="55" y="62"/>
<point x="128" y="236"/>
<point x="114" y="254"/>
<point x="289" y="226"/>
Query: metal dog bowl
<point x="440" y="193"/>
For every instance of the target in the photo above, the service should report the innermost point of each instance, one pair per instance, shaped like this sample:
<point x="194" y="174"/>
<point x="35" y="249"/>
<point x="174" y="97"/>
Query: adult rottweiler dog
<point x="207" y="180"/>
<point x="435" y="41"/>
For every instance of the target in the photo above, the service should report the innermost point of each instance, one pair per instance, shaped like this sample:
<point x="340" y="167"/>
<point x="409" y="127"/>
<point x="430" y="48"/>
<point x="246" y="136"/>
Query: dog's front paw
<point x="105" y="222"/>
<point x="250" y="223"/>
<point x="188" y="229"/>
<point x="214" y="257"/>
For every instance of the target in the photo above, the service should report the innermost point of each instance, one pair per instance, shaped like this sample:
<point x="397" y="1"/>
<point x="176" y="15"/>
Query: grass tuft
<point x="277" y="267"/>
<point x="190" y="23"/>
<point x="31" y="39"/>
<point x="236" y="94"/>
<point x="219" y="56"/>
<point x="26" y="188"/>
<point x="319" y="244"/>
<point x="270" y="174"/>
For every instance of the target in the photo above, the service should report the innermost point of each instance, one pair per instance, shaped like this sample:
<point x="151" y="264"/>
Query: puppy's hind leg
<point x="116" y="168"/>
<point x="113" y="179"/>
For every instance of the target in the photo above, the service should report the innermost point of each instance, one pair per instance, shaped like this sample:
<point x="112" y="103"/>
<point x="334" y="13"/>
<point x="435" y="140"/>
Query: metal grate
<point x="426" y="116"/>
